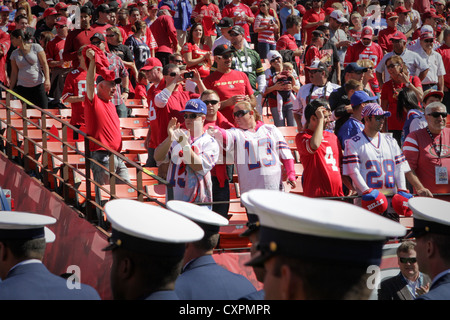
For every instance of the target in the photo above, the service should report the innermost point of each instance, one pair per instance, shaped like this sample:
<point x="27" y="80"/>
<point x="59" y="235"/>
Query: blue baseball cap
<point x="360" y="97"/>
<point x="354" y="67"/>
<point x="195" y="106"/>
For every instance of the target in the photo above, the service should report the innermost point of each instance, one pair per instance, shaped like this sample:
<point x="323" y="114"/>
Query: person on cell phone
<point x="400" y="78"/>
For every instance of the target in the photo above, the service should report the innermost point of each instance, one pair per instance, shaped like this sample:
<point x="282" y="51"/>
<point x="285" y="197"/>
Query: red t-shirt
<point x="321" y="167"/>
<point x="208" y="11"/>
<point x="165" y="34"/>
<point x="203" y="68"/>
<point x="444" y="51"/>
<point x="5" y="44"/>
<point x="311" y="16"/>
<point x="174" y="105"/>
<point x="55" y="49"/>
<point x="241" y="9"/>
<point x="75" y="85"/>
<point x="154" y="127"/>
<point x="420" y="151"/>
<point x="389" y="92"/>
<point x="140" y="92"/>
<point x="287" y="42"/>
<point x="384" y="38"/>
<point x="75" y="40"/>
<point x="228" y="85"/>
<point x="102" y="123"/>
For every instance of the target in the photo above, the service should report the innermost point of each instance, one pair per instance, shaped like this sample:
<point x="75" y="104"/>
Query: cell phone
<point x="188" y="75"/>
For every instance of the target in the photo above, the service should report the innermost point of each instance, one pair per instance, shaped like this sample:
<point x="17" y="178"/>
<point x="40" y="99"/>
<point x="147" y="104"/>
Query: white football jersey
<point x="257" y="156"/>
<point x="380" y="165"/>
<point x="190" y="185"/>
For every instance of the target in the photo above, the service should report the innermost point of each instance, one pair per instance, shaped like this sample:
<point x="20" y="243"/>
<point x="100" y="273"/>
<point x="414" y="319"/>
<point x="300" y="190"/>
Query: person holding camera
<point x="196" y="53"/>
<point x="170" y="99"/>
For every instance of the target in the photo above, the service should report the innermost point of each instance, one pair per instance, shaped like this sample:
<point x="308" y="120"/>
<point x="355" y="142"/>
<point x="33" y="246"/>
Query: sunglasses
<point x="275" y="59"/>
<point x="240" y="113"/>
<point x="392" y="65"/>
<point x="96" y="43"/>
<point x="178" y="61"/>
<point x="314" y="71"/>
<point x="232" y="34"/>
<point x="213" y="102"/>
<point x="227" y="56"/>
<point x="191" y="116"/>
<point x="406" y="260"/>
<point x="438" y="114"/>
<point x="429" y="40"/>
<point x="110" y="35"/>
<point x="172" y="74"/>
<point x="379" y="117"/>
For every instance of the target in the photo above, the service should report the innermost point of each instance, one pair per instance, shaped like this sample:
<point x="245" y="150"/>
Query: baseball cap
<point x="50" y="2"/>
<point x="100" y="79"/>
<point x="50" y="12"/>
<point x="150" y="63"/>
<point x="430" y="215"/>
<point x="323" y="230"/>
<point x="104" y="8"/>
<point x="360" y="97"/>
<point x="168" y="9"/>
<point x="61" y="21"/>
<point x="237" y="29"/>
<point x="354" y="67"/>
<point x="367" y="33"/>
<point x="273" y="54"/>
<point x="429" y="14"/>
<point x="195" y="106"/>
<point x="318" y="34"/>
<point x="402" y="9"/>
<point x="426" y="32"/>
<point x="339" y="16"/>
<point x="374" y="109"/>
<point x="398" y="36"/>
<point x="317" y="65"/>
<point x="225" y="22"/>
<point x="139" y="227"/>
<point x="432" y="92"/>
<point x="206" y="219"/>
<point x="391" y="15"/>
<point x="24" y="225"/>
<point x="61" y="5"/>
<point x="222" y="49"/>
<point x="97" y="35"/>
<point x="4" y="9"/>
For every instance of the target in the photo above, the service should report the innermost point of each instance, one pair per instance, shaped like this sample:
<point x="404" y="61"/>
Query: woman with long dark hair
<point x="30" y="74"/>
<point x="408" y="102"/>
<point x="195" y="51"/>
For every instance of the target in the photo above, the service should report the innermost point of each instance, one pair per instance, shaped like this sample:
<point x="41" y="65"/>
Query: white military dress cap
<point x="25" y="225"/>
<point x="142" y="227"/>
<point x="430" y="215"/>
<point x="208" y="220"/>
<point x="303" y="227"/>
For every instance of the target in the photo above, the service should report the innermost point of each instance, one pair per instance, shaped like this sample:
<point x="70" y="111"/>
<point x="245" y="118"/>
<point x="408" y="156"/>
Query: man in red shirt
<point x="384" y="36"/>
<point x="78" y="37"/>
<point x="231" y="85"/>
<point x="102" y="23"/>
<point x="5" y="44"/>
<point x="208" y="14"/>
<point x="102" y="123"/>
<point x="241" y="14"/>
<point x="58" y="67"/>
<point x="320" y="153"/>
<point x="287" y="40"/>
<point x="312" y="19"/>
<point x="165" y="34"/>
<point x="74" y="92"/>
<point x="444" y="51"/>
<point x="365" y="49"/>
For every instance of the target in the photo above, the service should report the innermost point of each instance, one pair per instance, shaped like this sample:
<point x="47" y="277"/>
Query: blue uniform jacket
<point x="33" y="281"/>
<point x="440" y="290"/>
<point x="204" y="279"/>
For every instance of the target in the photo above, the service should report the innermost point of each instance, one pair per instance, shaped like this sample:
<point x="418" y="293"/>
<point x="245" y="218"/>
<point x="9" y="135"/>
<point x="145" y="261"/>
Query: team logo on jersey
<point x="444" y="151"/>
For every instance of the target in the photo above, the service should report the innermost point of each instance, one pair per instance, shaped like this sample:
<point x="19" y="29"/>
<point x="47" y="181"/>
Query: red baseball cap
<point x="150" y="63"/>
<point x="367" y="33"/>
<point x="398" y="36"/>
<point x="61" y="5"/>
<point x="402" y="9"/>
<point x="391" y="15"/>
<point x="168" y="9"/>
<point x="50" y="12"/>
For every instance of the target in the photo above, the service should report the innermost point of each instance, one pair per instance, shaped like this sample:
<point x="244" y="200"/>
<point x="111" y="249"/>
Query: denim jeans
<point x="288" y="117"/>
<point x="264" y="48"/>
<point x="101" y="175"/>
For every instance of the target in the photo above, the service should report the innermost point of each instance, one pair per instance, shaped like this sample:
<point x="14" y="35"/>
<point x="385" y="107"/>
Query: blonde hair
<point x="288" y="65"/>
<point x="365" y="63"/>
<point x="117" y="32"/>
<point x="26" y="6"/>
<point x="248" y="106"/>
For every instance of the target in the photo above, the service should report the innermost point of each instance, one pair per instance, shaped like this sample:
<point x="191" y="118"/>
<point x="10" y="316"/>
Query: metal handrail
<point x="62" y="178"/>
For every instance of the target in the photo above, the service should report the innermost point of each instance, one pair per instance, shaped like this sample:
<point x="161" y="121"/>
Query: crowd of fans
<point x="276" y="56"/>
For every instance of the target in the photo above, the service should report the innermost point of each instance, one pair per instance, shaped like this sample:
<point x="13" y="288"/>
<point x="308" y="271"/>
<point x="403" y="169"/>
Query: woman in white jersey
<point x="259" y="150"/>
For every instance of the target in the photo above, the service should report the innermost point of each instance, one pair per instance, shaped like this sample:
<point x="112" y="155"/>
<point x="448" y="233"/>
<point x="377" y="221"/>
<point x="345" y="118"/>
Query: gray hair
<point x="434" y="104"/>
